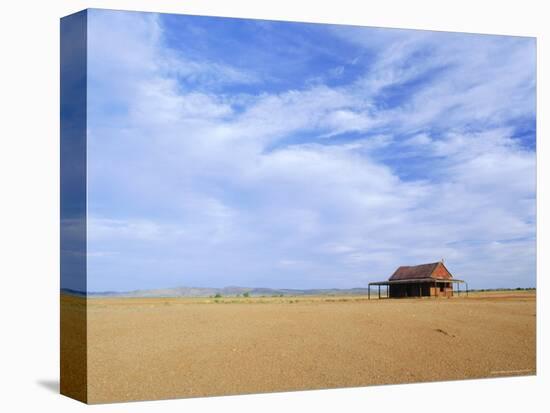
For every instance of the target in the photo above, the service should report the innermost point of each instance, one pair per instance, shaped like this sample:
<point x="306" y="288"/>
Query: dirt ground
<point x="143" y="349"/>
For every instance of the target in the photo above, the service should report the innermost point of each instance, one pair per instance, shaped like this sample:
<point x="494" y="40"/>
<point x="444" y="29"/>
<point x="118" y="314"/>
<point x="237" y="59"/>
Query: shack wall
<point x="442" y="290"/>
<point x="421" y="290"/>
<point x="409" y="290"/>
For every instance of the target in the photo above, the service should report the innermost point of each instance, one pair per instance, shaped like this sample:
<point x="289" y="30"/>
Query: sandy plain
<point x="158" y="348"/>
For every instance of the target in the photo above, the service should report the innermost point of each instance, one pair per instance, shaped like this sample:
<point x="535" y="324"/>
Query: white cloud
<point x="420" y="139"/>
<point x="105" y="229"/>
<point x="198" y="192"/>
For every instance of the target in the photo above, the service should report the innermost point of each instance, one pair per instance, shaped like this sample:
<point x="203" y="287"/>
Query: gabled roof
<point x="436" y="270"/>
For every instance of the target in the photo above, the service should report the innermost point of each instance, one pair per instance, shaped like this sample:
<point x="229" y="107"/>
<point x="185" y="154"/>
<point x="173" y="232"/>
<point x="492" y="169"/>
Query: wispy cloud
<point x="205" y="173"/>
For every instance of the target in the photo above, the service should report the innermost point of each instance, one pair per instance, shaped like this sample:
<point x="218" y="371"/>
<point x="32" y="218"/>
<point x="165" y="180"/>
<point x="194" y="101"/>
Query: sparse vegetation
<point x="483" y="290"/>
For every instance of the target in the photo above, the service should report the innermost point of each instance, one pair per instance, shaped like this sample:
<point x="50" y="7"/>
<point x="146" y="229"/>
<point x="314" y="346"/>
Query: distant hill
<point x="224" y="292"/>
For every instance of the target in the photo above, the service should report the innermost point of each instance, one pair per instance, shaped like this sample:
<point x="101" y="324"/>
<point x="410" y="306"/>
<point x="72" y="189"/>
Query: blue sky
<point x="275" y="154"/>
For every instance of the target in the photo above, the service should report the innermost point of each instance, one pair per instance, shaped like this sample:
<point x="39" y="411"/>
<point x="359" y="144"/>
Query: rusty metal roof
<point x="435" y="270"/>
<point x="419" y="280"/>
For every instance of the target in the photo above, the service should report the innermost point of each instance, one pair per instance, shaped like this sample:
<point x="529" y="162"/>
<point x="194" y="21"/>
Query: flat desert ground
<point x="156" y="348"/>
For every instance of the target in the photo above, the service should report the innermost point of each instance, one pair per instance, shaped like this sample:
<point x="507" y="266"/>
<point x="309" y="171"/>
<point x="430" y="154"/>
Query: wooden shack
<point x="425" y="280"/>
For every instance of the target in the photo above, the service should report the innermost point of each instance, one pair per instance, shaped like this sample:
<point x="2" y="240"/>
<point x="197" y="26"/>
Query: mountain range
<point x="231" y="291"/>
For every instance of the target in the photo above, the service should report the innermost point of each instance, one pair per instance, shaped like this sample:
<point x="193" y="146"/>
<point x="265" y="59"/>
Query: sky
<point x="234" y="152"/>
